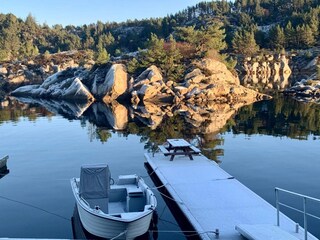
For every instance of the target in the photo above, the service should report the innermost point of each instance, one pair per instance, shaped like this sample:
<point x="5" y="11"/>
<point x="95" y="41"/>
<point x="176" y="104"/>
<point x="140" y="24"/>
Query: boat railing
<point x="85" y="201"/>
<point x="305" y="199"/>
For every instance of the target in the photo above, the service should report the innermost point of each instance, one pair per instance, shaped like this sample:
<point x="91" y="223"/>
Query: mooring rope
<point x="147" y="176"/>
<point x="119" y="235"/>
<point x="170" y="198"/>
<point x="35" y="207"/>
<point x="163" y="185"/>
<point x="194" y="233"/>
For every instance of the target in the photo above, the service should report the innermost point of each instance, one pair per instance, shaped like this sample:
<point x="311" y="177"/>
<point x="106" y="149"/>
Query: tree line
<point x="245" y="27"/>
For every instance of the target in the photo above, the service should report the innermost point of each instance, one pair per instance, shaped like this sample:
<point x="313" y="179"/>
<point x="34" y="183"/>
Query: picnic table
<point x="178" y="147"/>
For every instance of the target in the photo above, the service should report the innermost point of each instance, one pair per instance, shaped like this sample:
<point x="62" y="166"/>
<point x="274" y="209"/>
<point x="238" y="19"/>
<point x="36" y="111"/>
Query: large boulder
<point x="217" y="70"/>
<point x="149" y="86"/>
<point x="62" y="85"/>
<point x="212" y="81"/>
<point x="113" y="85"/>
<point x="3" y="70"/>
<point x="306" y="90"/>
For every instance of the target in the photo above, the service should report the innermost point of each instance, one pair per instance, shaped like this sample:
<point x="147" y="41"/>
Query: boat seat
<point x="135" y="200"/>
<point x="117" y="194"/>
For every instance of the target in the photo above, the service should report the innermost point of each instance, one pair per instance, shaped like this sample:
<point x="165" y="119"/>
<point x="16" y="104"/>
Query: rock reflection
<point x="200" y="124"/>
<point x="113" y="115"/>
<point x="67" y="109"/>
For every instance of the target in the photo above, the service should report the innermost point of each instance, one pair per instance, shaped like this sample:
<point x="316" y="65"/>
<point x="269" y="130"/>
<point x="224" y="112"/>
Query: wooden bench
<point x="195" y="150"/>
<point x="167" y="152"/>
<point x="164" y="150"/>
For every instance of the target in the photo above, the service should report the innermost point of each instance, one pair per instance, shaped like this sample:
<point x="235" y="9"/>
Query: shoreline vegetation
<point x="243" y="36"/>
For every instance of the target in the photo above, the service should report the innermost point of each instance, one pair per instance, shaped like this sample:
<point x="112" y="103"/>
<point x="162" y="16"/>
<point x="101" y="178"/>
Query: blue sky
<point x="79" y="12"/>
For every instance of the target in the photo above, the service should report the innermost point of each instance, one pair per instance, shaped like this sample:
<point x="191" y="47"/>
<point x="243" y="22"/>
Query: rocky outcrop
<point x="113" y="85"/>
<point x="39" y="68"/>
<point x="213" y="82"/>
<point x="266" y="72"/>
<point x="208" y="80"/>
<point x="307" y="89"/>
<point x="65" y="85"/>
<point x="217" y="71"/>
<point x="150" y="87"/>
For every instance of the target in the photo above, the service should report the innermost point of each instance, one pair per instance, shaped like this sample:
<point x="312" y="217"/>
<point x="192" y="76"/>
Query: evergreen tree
<point x="155" y="53"/>
<point x="173" y="68"/>
<point x="244" y="42"/>
<point x="213" y="37"/>
<point x="187" y="34"/>
<point x="290" y="39"/>
<point x="102" y="56"/>
<point x="305" y="36"/>
<point x="132" y="66"/>
<point x="277" y="38"/>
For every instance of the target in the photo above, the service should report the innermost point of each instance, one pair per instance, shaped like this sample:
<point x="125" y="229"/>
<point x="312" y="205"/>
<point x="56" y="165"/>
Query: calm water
<point x="268" y="144"/>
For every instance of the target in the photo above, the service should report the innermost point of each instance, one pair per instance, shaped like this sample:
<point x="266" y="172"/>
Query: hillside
<point x="248" y="26"/>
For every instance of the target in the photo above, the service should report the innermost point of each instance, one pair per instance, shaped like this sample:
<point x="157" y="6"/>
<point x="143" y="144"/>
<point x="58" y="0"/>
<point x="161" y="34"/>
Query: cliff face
<point x="269" y="72"/>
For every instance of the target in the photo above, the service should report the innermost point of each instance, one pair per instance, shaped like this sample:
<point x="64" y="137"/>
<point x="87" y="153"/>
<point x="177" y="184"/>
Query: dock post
<point x="277" y="206"/>
<point x="305" y="218"/>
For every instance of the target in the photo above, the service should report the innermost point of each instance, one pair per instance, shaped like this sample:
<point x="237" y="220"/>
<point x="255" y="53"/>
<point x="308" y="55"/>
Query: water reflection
<point x="202" y="125"/>
<point x="67" y="109"/>
<point x="279" y="117"/>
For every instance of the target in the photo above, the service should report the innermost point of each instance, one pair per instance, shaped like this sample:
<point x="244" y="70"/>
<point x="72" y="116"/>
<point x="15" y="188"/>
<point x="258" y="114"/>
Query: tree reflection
<point x="279" y="117"/>
<point x="203" y="127"/>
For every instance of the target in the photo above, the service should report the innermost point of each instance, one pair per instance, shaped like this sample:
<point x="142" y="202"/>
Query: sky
<point x="79" y="12"/>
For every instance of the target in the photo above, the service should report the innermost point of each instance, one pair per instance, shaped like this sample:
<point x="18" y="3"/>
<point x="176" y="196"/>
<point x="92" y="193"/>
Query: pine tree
<point x="186" y="34"/>
<point x="133" y="65"/>
<point x="102" y="56"/>
<point x="277" y="38"/>
<point x="155" y="53"/>
<point x="290" y="35"/>
<point x="244" y="42"/>
<point x="306" y="36"/>
<point x="173" y="68"/>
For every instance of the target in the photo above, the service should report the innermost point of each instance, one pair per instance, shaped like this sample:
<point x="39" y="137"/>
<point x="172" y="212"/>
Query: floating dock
<point x="216" y="204"/>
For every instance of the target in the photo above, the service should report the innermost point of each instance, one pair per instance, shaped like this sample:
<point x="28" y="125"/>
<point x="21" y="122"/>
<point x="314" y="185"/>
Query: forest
<point x="241" y="27"/>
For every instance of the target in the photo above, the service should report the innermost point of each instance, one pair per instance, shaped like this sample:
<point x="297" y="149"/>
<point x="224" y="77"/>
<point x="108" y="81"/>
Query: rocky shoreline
<point x="73" y="76"/>
<point x="208" y="80"/>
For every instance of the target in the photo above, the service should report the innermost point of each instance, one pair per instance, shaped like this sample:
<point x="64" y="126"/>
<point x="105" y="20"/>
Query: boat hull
<point x="109" y="228"/>
<point x="119" y="225"/>
<point x="3" y="162"/>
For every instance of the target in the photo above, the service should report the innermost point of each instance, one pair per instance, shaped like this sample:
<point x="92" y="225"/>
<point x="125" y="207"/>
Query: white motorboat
<point x="121" y="210"/>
